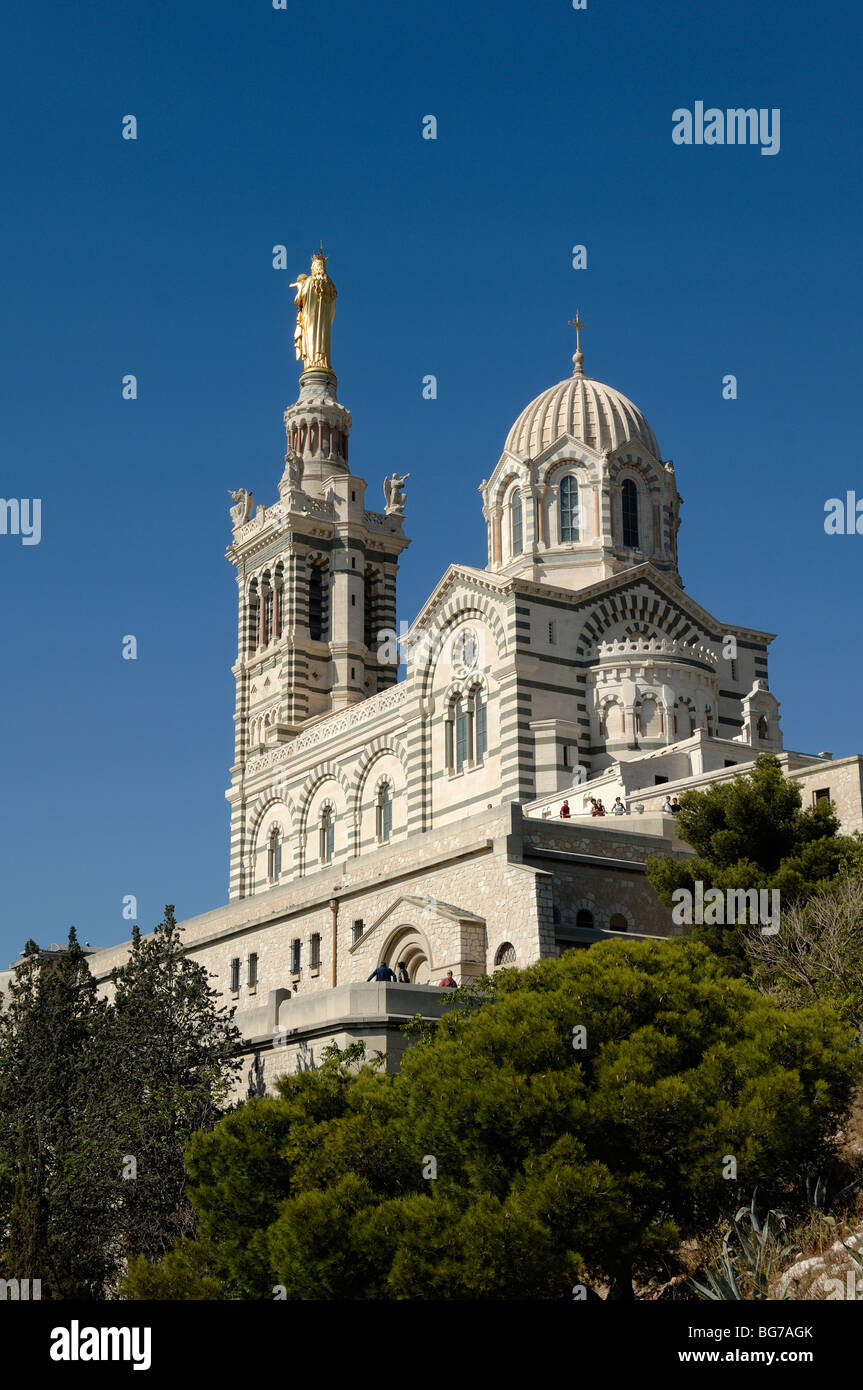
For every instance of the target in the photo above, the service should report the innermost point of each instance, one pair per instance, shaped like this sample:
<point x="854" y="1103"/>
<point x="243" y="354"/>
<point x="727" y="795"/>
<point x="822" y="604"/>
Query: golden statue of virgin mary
<point x="316" y="307"/>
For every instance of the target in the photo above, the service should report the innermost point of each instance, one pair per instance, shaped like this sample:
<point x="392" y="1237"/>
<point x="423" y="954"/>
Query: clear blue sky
<point x="259" y="126"/>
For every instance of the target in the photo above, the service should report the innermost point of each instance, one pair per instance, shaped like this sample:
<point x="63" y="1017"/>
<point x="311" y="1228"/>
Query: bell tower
<point x="316" y="570"/>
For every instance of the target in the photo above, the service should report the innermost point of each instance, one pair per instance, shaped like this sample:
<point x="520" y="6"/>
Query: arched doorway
<point x="408" y="944"/>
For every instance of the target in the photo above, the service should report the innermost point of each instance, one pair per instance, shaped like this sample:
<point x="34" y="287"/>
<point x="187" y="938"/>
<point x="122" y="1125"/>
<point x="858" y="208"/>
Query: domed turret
<point x="580" y="491"/>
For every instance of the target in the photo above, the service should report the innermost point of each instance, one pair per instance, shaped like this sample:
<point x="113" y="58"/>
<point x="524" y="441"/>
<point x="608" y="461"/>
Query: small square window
<point x="822" y="794"/>
<point x="358" y="930"/>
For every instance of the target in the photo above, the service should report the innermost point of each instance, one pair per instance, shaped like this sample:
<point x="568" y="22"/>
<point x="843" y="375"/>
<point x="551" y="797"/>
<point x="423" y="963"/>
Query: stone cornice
<point x="313" y="516"/>
<point x="505" y="586"/>
<point x="330" y="725"/>
<point x="580" y="598"/>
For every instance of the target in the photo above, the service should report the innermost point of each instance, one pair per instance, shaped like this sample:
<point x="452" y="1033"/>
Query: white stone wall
<point x="843" y="779"/>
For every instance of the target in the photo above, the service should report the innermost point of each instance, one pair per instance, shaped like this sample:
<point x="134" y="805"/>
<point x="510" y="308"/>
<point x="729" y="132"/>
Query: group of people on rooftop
<point x="670" y="807"/>
<point x="384" y="975"/>
<point x="596" y="808"/>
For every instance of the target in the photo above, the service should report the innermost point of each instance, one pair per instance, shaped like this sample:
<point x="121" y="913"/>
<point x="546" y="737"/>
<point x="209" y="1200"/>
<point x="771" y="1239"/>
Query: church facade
<point x="416" y="821"/>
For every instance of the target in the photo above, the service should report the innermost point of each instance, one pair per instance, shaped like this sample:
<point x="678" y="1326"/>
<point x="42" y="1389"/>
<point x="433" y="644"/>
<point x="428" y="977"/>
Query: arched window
<point x="318" y="602"/>
<point x="278" y="589"/>
<point x="612" y="720"/>
<point x="584" y="917"/>
<point x="569" y="509"/>
<point x="649" y="718"/>
<point x="480" y="725"/>
<point x="466" y="731"/>
<point x="267" y="598"/>
<point x="505" y="955"/>
<point x="462" y="735"/>
<point x="516" y="524"/>
<point x="274" y="854"/>
<point x="327" y="835"/>
<point x="629" y="502"/>
<point x="372" y="596"/>
<point x="384" y="812"/>
<point x="762" y="726"/>
<point x="618" y="922"/>
<point x="253" y="620"/>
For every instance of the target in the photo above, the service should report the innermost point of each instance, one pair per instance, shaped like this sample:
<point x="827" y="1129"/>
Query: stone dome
<point x="591" y="412"/>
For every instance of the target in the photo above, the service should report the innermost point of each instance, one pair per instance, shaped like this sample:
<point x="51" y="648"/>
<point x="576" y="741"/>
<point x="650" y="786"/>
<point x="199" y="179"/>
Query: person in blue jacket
<point x="383" y="974"/>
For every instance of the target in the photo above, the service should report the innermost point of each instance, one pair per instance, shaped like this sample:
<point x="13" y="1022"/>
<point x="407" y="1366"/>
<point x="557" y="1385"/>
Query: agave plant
<point x="816" y="1193"/>
<point x="752" y="1258"/>
<point x="816" y="1196"/>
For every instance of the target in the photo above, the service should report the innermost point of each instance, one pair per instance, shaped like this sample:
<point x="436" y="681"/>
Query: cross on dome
<point x="578" y="355"/>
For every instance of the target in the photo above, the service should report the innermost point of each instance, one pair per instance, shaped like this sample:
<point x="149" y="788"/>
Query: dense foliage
<point x="818" y="953"/>
<point x="752" y="833"/>
<point x="99" y="1097"/>
<point x="508" y="1161"/>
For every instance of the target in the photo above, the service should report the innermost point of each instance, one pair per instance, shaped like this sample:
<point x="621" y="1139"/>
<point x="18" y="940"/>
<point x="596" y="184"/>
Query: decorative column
<point x="630" y="722"/>
<point x="666" y="709"/>
<point x="496" y="539"/>
<point x="541" y="492"/>
<point x="528" y="519"/>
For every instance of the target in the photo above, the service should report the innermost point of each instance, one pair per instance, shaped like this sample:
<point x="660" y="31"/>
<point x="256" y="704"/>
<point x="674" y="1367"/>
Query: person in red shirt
<point x="565" y="811"/>
<point x="448" y="982"/>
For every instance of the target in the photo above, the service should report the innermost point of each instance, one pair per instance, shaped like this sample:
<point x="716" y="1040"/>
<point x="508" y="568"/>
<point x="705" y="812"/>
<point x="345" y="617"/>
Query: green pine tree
<point x="55" y="1130"/>
<point x="751" y="832"/>
<point x="174" y="1051"/>
<point x="98" y="1100"/>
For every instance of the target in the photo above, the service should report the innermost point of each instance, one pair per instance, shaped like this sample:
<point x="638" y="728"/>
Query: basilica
<point x="416" y="822"/>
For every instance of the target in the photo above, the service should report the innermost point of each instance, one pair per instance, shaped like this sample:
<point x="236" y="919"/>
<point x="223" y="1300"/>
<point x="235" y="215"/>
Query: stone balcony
<point x="289" y="1032"/>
